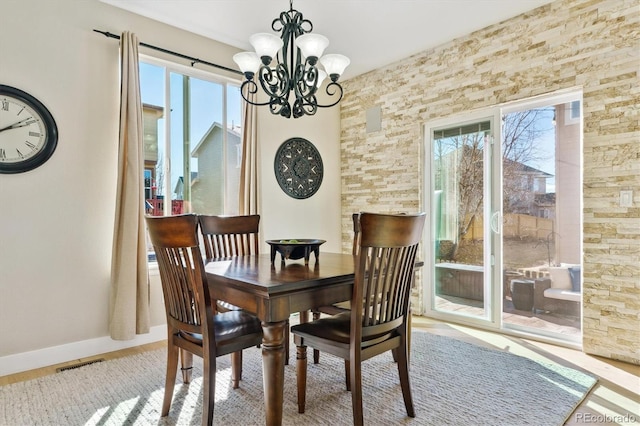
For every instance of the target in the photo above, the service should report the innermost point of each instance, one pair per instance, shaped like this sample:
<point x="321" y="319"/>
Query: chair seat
<point x="335" y="328"/>
<point x="228" y="326"/>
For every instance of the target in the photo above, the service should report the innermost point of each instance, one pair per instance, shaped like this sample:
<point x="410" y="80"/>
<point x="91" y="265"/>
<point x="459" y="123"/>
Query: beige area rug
<point x="454" y="383"/>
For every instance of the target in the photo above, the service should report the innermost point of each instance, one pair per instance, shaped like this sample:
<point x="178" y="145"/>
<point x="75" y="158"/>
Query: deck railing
<point x="155" y="206"/>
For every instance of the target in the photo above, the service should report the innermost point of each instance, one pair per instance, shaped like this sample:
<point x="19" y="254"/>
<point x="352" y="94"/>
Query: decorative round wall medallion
<point x="28" y="132"/>
<point x="298" y="168"/>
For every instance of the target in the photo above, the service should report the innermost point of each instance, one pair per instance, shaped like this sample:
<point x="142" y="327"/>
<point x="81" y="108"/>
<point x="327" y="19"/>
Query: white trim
<point x="25" y="361"/>
<point x="190" y="71"/>
<point x="545" y="100"/>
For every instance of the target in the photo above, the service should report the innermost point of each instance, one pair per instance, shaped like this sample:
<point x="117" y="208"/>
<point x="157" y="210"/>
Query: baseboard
<point x="25" y="361"/>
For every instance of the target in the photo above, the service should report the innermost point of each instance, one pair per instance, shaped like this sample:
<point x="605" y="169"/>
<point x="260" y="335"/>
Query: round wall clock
<point x="298" y="168"/>
<point x="28" y="132"/>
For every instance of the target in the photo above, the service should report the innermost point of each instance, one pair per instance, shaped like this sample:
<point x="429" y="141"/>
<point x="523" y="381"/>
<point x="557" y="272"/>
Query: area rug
<point x="453" y="382"/>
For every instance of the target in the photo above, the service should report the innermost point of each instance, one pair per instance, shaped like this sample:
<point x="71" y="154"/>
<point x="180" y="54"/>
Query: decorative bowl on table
<point x="295" y="249"/>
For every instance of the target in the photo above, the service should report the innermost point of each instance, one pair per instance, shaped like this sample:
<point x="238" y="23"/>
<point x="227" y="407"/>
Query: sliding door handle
<point x="496" y="222"/>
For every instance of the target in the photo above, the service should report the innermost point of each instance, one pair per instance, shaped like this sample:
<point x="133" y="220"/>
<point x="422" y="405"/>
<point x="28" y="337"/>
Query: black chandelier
<point x="296" y="69"/>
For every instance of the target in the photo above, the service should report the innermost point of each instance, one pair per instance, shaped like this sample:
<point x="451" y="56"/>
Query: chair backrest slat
<point x="384" y="270"/>
<point x="228" y="236"/>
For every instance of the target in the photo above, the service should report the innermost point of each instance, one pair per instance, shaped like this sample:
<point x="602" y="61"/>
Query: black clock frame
<point x="52" y="132"/>
<point x="296" y="160"/>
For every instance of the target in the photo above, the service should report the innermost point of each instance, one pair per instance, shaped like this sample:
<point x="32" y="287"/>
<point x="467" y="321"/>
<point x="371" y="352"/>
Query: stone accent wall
<point x="591" y="45"/>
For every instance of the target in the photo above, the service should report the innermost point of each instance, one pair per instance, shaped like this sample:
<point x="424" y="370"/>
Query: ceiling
<point x="372" y="33"/>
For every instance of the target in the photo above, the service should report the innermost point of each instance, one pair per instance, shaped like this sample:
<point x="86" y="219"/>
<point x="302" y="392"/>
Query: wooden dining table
<point x="274" y="291"/>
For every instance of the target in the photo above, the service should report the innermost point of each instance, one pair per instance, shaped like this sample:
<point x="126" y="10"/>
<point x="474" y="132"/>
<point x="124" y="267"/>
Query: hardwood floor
<point x="614" y="400"/>
<point x="45" y="371"/>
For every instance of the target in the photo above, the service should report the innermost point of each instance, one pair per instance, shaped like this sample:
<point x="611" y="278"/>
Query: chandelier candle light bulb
<point x="312" y="46"/>
<point x="297" y="72"/>
<point x="248" y="62"/>
<point x="266" y="46"/>
<point x="335" y="64"/>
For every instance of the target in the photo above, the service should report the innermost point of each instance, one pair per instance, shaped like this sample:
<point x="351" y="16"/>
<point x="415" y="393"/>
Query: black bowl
<point x="295" y="248"/>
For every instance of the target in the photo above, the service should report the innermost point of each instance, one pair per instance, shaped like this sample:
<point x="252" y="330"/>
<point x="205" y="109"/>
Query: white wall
<point x="319" y="215"/>
<point x="56" y="222"/>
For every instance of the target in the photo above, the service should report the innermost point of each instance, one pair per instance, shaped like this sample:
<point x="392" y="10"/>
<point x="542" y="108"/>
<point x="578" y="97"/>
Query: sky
<point x="546" y="147"/>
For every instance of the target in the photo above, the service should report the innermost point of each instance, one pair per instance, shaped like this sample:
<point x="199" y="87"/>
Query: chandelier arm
<point x="275" y="82"/>
<point x="331" y="90"/>
<point x="305" y="80"/>
<point x="280" y="106"/>
<point x="251" y="88"/>
<point x="307" y="105"/>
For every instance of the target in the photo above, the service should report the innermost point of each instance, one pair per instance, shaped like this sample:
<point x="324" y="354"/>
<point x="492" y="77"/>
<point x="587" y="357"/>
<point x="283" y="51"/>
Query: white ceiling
<point x="372" y="33"/>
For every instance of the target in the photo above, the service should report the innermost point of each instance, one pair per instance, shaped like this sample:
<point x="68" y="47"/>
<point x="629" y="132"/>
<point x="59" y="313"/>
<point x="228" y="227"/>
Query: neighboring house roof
<point x="523" y="168"/>
<point x="159" y="110"/>
<point x="214" y="127"/>
<point x="180" y="183"/>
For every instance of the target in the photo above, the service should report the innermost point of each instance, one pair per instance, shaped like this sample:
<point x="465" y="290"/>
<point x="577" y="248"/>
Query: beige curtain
<point x="129" y="298"/>
<point x="249" y="169"/>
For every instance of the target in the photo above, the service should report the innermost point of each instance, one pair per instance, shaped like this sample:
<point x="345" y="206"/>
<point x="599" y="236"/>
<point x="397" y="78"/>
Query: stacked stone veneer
<point x="590" y="45"/>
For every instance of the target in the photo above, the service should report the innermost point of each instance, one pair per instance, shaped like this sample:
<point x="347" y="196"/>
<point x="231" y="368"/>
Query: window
<point x="192" y="140"/>
<point x="572" y="112"/>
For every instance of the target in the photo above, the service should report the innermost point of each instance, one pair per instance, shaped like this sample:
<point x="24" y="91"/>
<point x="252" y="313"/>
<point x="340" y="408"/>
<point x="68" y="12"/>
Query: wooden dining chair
<point x="378" y="319"/>
<point x="338" y="308"/>
<point x="230" y="236"/>
<point x="193" y="326"/>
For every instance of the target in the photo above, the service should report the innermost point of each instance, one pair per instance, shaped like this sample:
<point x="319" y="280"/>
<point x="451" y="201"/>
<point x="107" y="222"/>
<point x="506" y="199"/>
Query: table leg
<point x="273" y="370"/>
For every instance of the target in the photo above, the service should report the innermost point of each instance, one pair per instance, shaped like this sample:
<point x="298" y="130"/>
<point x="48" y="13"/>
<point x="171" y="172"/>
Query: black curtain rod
<point x="160" y="49"/>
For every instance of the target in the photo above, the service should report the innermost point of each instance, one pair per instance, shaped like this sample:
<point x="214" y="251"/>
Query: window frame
<point x="208" y="76"/>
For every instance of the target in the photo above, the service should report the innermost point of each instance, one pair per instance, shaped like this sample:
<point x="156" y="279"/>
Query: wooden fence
<point x="515" y="226"/>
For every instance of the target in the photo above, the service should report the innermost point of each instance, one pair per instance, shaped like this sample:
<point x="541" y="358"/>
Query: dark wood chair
<point x="193" y="326"/>
<point x="378" y="319"/>
<point x="230" y="236"/>
<point x="341" y="307"/>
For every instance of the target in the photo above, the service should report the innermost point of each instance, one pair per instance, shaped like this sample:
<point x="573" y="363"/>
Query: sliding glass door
<point x="541" y="236"/>
<point x="505" y="241"/>
<point x="460" y="155"/>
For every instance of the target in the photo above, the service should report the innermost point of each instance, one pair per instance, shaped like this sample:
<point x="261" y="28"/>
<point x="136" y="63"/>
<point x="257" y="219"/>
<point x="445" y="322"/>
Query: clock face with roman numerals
<point x="28" y="132"/>
<point x="298" y="168"/>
